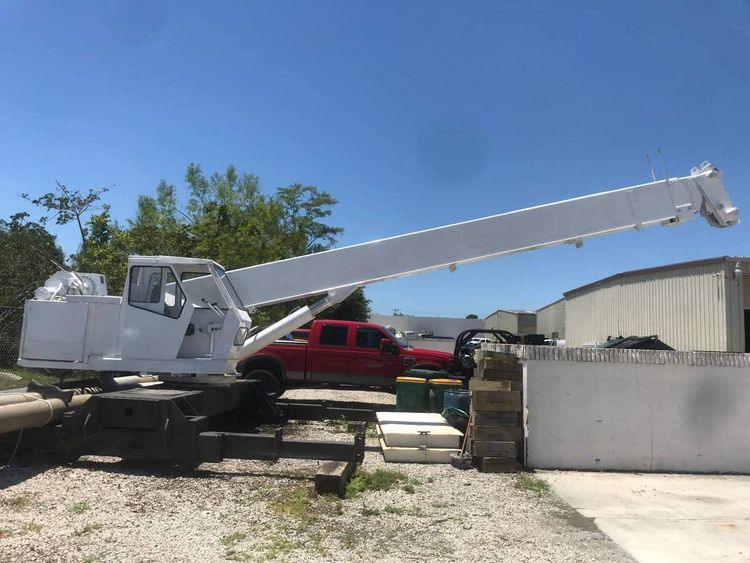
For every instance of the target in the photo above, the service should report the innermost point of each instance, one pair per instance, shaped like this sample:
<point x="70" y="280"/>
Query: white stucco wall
<point x="638" y="417"/>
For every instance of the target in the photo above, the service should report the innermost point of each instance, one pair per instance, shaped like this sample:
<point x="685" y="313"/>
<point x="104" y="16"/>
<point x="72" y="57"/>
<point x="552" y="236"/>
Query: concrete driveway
<point x="658" y="517"/>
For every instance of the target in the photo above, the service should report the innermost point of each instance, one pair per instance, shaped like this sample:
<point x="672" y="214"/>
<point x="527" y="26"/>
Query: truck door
<point x="370" y="365"/>
<point x="329" y="357"/>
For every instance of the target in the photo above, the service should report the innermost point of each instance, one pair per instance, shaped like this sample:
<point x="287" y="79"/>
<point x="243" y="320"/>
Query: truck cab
<point x="341" y="352"/>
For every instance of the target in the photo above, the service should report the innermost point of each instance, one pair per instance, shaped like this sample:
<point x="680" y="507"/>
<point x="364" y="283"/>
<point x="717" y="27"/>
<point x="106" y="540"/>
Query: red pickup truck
<point x="338" y="352"/>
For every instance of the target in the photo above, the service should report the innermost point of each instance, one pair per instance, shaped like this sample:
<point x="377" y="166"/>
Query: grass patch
<point x="295" y="503"/>
<point x="88" y="528"/>
<point x="31" y="528"/>
<point x="18" y="502"/>
<point x="367" y="511"/>
<point x="378" y="480"/>
<point x="230" y="542"/>
<point x="532" y="484"/>
<point x="80" y="507"/>
<point x="5" y="533"/>
<point x="90" y="559"/>
<point x="399" y="510"/>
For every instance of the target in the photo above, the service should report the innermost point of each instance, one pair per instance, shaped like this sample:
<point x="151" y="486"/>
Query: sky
<point x="411" y="114"/>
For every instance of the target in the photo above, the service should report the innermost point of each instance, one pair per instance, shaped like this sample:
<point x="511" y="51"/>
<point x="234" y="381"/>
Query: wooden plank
<point x="509" y="365"/>
<point x="507" y="419"/>
<point x="500" y="374"/>
<point x="503" y="433"/>
<point x="332" y="477"/>
<point x="495" y="465"/>
<point x="507" y="451"/>
<point x="499" y="385"/>
<point x="496" y="401"/>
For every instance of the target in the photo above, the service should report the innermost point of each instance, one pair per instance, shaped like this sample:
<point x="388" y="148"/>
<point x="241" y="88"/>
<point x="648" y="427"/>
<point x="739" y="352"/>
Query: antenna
<point x="664" y="169"/>
<point x="651" y="168"/>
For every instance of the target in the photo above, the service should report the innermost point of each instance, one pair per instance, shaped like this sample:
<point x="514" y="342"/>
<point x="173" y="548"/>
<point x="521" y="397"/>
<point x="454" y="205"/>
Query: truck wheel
<point x="270" y="382"/>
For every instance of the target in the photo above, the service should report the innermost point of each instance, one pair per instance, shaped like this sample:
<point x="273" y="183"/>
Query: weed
<point x="293" y="502"/>
<point x="88" y="528"/>
<point x="409" y="488"/>
<point x="31" y="528"/>
<point x="378" y="480"/>
<point x="338" y="425"/>
<point x="90" y="559"/>
<point x="5" y="533"/>
<point x="18" y="502"/>
<point x="80" y="507"/>
<point x="367" y="511"/>
<point x="532" y="484"/>
<point x="233" y="539"/>
<point x="349" y="539"/>
<point x="399" y="510"/>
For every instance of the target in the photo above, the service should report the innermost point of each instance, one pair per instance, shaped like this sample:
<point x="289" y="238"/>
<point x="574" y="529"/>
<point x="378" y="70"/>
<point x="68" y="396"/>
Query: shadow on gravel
<point x="167" y="471"/>
<point x="16" y="474"/>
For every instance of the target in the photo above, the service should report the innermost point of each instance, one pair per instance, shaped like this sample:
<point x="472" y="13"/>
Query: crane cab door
<point x="155" y="314"/>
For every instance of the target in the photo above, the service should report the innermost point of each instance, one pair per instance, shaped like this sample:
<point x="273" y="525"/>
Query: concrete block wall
<point x="627" y="410"/>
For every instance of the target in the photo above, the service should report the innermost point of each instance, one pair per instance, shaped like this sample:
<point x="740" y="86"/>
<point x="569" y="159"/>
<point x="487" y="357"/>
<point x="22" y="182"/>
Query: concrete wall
<point x="689" y="307"/>
<point x="608" y="415"/>
<point x="439" y="326"/>
<point x="550" y="320"/>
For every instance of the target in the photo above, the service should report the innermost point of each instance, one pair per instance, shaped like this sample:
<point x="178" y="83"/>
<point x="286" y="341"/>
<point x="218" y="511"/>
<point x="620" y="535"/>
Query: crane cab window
<point x="369" y="338"/>
<point x="155" y="289"/>
<point x="333" y="335"/>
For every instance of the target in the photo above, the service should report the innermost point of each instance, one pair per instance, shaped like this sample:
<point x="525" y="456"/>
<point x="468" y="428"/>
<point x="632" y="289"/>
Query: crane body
<point x="189" y="316"/>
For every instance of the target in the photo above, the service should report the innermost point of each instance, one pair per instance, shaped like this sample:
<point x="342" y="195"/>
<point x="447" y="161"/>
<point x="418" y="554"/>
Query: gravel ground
<point x="102" y="509"/>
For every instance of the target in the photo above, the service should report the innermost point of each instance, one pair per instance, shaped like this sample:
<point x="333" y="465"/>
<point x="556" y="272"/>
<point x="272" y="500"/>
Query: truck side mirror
<point x="387" y="346"/>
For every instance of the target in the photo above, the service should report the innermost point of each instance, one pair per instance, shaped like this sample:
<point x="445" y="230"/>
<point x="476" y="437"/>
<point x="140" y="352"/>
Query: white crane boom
<point x="657" y="203"/>
<point x="183" y="315"/>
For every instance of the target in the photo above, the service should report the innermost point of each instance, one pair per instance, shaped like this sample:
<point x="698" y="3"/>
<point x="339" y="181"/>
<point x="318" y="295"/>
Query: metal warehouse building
<point x="550" y="319"/>
<point x="700" y="305"/>
<point x="517" y="322"/>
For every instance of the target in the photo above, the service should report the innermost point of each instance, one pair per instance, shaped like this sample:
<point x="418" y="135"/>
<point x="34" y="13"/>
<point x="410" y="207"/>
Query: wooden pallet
<point x="496" y="427"/>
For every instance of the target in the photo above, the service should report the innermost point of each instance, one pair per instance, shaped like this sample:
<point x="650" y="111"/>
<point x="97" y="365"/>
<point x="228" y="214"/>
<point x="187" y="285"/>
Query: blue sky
<point x="412" y="114"/>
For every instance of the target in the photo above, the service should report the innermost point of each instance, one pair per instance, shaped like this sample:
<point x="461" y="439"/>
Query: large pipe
<point x="28" y="397"/>
<point x="36" y="413"/>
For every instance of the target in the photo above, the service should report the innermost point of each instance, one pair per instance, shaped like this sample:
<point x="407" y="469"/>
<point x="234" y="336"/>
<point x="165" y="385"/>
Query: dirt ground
<point x="102" y="509"/>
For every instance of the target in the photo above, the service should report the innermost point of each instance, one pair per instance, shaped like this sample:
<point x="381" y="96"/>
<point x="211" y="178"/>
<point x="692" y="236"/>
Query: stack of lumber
<point x="496" y="418"/>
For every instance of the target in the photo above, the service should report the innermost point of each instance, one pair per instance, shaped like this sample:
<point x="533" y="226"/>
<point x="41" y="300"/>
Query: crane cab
<point x="173" y="316"/>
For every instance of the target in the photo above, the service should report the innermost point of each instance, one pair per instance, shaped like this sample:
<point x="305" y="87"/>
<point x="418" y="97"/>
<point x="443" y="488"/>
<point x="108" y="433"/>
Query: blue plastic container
<point x="457" y="398"/>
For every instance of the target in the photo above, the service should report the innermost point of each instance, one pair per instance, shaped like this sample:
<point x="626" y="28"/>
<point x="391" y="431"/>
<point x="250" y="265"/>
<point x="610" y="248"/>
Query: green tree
<point x="472" y="316"/>
<point x="227" y="218"/>
<point x="68" y="205"/>
<point x="356" y="307"/>
<point x="29" y="256"/>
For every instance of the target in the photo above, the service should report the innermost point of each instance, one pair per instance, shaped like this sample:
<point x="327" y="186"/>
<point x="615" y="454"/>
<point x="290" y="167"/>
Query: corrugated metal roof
<point x="548" y="305"/>
<point x="666" y="267"/>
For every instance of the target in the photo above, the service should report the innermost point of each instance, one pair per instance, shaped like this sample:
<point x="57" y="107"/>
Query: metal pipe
<point x="36" y="413"/>
<point x="27" y="397"/>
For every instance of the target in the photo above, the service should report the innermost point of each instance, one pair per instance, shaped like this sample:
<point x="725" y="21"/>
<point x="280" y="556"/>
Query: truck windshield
<point x="230" y="288"/>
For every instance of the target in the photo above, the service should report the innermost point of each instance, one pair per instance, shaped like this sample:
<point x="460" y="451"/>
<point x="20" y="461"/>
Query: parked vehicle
<point x="339" y="352"/>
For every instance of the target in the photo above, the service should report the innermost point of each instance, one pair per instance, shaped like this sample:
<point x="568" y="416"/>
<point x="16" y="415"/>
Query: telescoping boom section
<point x="189" y="316"/>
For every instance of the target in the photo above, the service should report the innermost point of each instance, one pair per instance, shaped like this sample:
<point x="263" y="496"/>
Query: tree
<point x="471" y="316"/>
<point x="29" y="256"/>
<point x="68" y="205"/>
<point x="356" y="307"/>
<point x="227" y="218"/>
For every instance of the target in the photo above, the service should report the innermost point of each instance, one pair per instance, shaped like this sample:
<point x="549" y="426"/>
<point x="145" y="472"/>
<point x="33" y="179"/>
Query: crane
<point x="189" y="316"/>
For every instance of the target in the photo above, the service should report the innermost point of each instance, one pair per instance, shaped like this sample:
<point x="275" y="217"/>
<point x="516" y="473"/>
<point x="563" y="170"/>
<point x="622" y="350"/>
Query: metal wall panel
<point x="690" y="308"/>
<point x="551" y="319"/>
